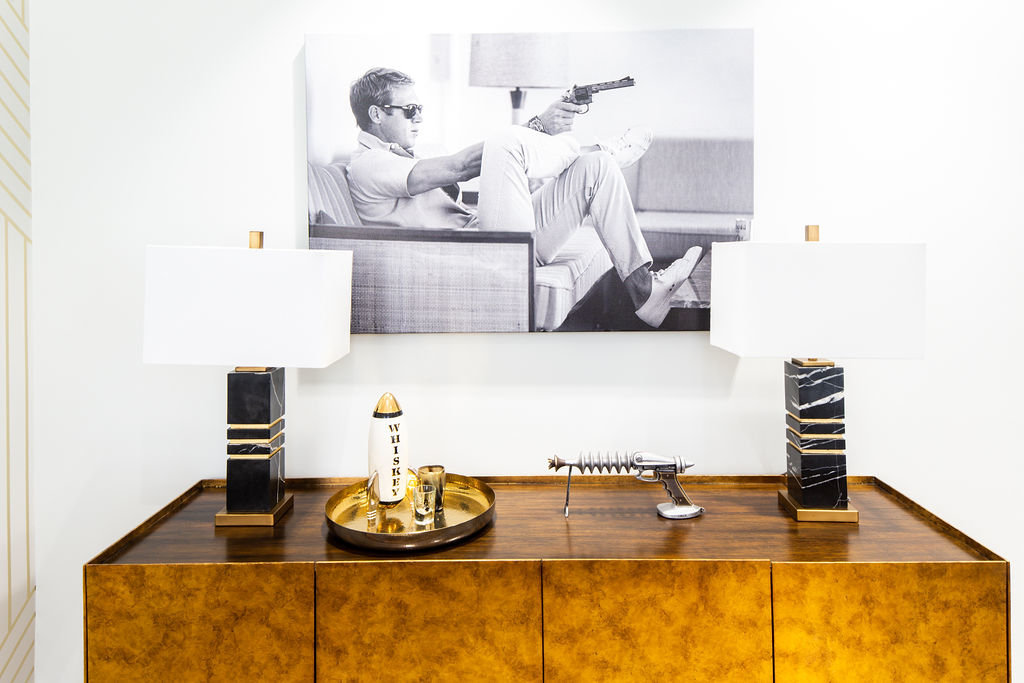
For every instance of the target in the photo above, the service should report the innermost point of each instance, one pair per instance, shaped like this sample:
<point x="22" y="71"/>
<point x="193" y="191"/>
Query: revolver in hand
<point x="649" y="467"/>
<point x="584" y="94"/>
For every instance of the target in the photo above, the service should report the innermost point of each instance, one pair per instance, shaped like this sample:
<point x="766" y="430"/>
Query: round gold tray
<point x="468" y="507"/>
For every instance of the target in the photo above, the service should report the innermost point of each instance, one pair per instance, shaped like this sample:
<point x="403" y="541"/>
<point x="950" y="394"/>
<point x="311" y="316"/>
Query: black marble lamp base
<point x="816" y="480"/>
<point x="255" y="466"/>
<point x="255" y="397"/>
<point x="255" y="483"/>
<point x="816" y="488"/>
<point x="815" y="392"/>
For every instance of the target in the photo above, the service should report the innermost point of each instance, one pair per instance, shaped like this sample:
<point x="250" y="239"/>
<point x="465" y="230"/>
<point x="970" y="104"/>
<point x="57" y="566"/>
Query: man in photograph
<point x="391" y="186"/>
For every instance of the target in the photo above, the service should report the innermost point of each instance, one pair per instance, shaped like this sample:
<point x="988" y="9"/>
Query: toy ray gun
<point x="584" y="94"/>
<point x="648" y="466"/>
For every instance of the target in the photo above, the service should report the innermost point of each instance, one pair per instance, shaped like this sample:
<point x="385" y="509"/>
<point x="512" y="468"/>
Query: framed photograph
<point x="524" y="182"/>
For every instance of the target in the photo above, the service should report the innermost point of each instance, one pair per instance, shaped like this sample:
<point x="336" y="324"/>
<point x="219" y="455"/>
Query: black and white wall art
<point x="547" y="230"/>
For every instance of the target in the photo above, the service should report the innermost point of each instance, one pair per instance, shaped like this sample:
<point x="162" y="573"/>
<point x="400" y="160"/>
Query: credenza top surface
<point x="610" y="518"/>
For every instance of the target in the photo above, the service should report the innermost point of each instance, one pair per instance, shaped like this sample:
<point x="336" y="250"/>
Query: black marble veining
<point x="808" y="428"/>
<point x="815" y="443"/>
<point x="250" y="448"/>
<point x="814" y="392"/>
<point x="816" y="480"/>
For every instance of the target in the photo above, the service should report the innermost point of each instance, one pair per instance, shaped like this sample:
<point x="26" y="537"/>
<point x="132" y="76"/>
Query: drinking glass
<point x="423" y="503"/>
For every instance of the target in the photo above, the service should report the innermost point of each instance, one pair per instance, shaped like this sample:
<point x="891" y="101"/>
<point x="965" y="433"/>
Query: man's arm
<point x="429" y="174"/>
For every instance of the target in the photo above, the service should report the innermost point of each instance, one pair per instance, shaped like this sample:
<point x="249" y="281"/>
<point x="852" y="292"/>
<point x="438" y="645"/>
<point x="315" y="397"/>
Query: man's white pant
<point x="584" y="184"/>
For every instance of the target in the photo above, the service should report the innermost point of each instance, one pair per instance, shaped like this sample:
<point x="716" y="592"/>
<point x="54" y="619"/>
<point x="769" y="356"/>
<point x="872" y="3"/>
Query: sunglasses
<point x="410" y="110"/>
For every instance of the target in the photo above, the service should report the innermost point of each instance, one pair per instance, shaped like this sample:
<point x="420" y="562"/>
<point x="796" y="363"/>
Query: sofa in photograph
<point x="685" y="191"/>
<point x="693" y="191"/>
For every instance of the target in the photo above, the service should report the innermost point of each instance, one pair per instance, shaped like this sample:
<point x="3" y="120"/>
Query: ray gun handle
<point x="651" y="470"/>
<point x="649" y="467"/>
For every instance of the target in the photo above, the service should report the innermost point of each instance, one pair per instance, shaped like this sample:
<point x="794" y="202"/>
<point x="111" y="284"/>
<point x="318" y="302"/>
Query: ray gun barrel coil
<point x="649" y="467"/>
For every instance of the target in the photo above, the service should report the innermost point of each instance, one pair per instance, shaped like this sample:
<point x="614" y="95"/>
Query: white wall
<point x="183" y="123"/>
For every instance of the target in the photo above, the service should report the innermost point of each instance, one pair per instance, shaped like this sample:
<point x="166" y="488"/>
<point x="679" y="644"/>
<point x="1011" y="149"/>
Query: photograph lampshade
<point x="519" y="60"/>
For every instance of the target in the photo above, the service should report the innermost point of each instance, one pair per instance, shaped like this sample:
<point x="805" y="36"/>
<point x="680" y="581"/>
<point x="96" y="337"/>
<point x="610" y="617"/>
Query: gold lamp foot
<point x="225" y="518"/>
<point x="802" y="514"/>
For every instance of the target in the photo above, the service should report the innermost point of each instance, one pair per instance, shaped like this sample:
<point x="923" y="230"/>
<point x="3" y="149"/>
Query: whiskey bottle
<point x="386" y="449"/>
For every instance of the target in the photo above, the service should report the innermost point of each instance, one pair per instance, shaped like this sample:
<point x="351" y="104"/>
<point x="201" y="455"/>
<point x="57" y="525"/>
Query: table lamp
<point x="261" y="310"/>
<point x="810" y="300"/>
<point x="517" y="61"/>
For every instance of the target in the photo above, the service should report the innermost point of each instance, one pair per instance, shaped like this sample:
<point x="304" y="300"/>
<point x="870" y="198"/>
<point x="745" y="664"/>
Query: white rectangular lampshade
<point x="519" y="60"/>
<point x="247" y="307"/>
<point x="818" y="300"/>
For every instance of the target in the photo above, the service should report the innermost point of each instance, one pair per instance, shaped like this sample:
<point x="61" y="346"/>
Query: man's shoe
<point x="663" y="284"/>
<point x="628" y="147"/>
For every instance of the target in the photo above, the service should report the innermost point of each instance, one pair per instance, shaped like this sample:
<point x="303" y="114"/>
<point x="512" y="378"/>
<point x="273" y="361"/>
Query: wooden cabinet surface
<point x="614" y="592"/>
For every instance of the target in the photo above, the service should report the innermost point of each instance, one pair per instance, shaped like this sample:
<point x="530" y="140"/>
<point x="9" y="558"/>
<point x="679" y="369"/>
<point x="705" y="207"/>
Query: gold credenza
<point x="614" y="592"/>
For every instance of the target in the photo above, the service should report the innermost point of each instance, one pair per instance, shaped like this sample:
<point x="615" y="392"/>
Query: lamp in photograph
<point x="809" y="301"/>
<point x="517" y="61"/>
<point x="260" y="310"/>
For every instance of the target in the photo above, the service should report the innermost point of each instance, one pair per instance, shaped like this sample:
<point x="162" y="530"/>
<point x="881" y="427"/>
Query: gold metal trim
<point x="816" y="436"/>
<point x="255" y="239"/>
<point x="14" y="171"/>
<point x="251" y="368"/>
<point x="933" y="519"/>
<point x="813" y="362"/>
<point x="816" y="451"/>
<point x="28" y="435"/>
<point x="14" y="144"/>
<point x="14" y="118"/>
<point x="258" y="442"/>
<point x="13" y="197"/>
<point x="7" y="402"/>
<point x="20" y="17"/>
<point x="25" y="630"/>
<point x="14" y="37"/>
<point x="259" y="426"/>
<point x="800" y="514"/>
<point x="138" y="532"/>
<point x="800" y="435"/>
<point x="12" y="222"/>
<point x="14" y="90"/>
<point x="817" y="420"/>
<point x="254" y="456"/>
<point x="225" y="518"/>
<point x="14" y="64"/>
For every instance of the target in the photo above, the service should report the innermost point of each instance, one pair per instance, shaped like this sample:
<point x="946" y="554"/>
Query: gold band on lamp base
<point x="816" y="514"/>
<point x="225" y="518"/>
<point x="814" y="362"/>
